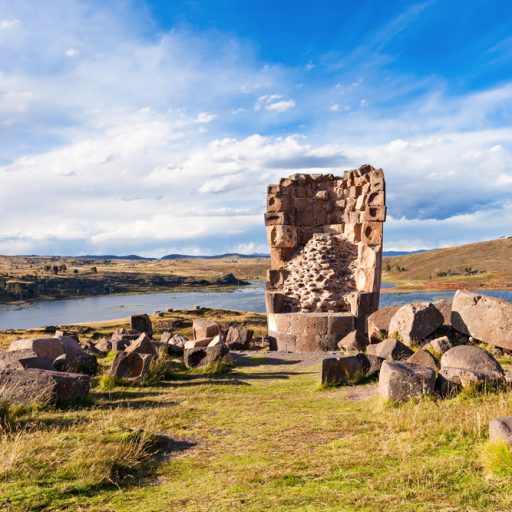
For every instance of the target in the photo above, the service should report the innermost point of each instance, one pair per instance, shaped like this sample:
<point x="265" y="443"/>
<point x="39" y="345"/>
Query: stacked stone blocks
<point x="325" y="237"/>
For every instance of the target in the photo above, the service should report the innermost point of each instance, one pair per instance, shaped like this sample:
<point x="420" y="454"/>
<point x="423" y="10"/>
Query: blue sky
<point x="154" y="127"/>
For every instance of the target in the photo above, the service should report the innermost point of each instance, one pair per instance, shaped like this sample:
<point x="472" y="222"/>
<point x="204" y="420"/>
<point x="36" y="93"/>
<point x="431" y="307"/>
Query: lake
<point x="109" y="307"/>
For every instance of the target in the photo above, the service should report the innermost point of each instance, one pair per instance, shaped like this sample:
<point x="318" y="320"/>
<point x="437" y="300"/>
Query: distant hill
<point x="215" y="257"/>
<point x="485" y="261"/>
<point x="114" y="257"/>
<point x="401" y="253"/>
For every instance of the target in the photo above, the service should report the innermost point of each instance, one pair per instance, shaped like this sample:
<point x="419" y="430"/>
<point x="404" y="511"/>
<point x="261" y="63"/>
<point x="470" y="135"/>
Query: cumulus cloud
<point x="109" y="153"/>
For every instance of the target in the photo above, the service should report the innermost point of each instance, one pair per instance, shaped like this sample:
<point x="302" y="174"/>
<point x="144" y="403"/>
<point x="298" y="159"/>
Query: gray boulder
<point x="23" y="359"/>
<point x="390" y="349"/>
<point x="400" y="381"/>
<point x="238" y="338"/>
<point x="201" y="357"/>
<point x="43" y="347"/>
<point x="439" y="345"/>
<point x="444" y="306"/>
<point x="414" y="322"/>
<point x="353" y="342"/>
<point x="424" y="358"/>
<point x="176" y="344"/>
<point x="466" y="365"/>
<point x="343" y="370"/>
<point x="500" y="429"/>
<point x="484" y="318"/>
<point x="378" y="323"/>
<point x="30" y="386"/>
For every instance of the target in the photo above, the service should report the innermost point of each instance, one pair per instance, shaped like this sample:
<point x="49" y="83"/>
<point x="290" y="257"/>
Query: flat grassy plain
<point x="263" y="436"/>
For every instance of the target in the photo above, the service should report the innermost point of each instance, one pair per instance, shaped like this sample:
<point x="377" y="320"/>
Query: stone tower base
<point x="309" y="332"/>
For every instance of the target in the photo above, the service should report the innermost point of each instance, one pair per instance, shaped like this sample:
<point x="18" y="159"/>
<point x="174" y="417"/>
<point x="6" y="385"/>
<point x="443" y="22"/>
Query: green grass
<point x="260" y="437"/>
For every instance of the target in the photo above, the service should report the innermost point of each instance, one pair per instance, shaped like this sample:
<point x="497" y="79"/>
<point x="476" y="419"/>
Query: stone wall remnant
<point x="325" y="237"/>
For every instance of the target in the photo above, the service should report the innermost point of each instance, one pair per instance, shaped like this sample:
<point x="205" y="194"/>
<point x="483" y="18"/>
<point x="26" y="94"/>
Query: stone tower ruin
<point x="325" y="238"/>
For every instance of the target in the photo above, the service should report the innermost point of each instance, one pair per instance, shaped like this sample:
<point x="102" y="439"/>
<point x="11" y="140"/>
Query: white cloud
<point x="205" y="117"/>
<point x="274" y="102"/>
<point x="334" y="107"/>
<point x="71" y="52"/>
<point x="7" y="24"/>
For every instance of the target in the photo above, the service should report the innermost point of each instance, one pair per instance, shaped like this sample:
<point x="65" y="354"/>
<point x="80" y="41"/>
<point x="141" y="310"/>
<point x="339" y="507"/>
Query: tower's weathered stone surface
<point x="325" y="238"/>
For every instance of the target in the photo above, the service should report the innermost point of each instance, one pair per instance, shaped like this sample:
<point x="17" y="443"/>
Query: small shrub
<point x="107" y="382"/>
<point x="218" y="367"/>
<point x="497" y="458"/>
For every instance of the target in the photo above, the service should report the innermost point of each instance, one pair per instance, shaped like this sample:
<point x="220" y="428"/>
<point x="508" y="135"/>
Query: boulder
<point x="204" y="328"/>
<point x="444" y="306"/>
<point x="22" y="359"/>
<point x="390" y="349"/>
<point x="439" y="345"/>
<point x="373" y="364"/>
<point x="131" y="365"/>
<point x="142" y="323"/>
<point x="104" y="345"/>
<point x="204" y="342"/>
<point x="166" y="336"/>
<point x="176" y="344"/>
<point x="216" y="340"/>
<point x="201" y="357"/>
<point x="353" y="342"/>
<point x="343" y="370"/>
<point x="466" y="365"/>
<point x="238" y="338"/>
<point x="24" y="387"/>
<point x="260" y="343"/>
<point x="400" y="381"/>
<point x="424" y="358"/>
<point x="81" y="363"/>
<point x="378" y="323"/>
<point x="500" y="429"/>
<point x="43" y="347"/>
<point x="413" y="322"/>
<point x="142" y="345"/>
<point x="484" y="318"/>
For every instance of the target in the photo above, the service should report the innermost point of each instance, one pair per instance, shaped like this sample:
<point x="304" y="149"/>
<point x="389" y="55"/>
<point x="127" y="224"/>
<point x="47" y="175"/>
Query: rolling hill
<point x="482" y="264"/>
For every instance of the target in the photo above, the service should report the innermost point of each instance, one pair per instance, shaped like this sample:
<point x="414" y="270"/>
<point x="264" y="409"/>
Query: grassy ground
<point x="262" y="437"/>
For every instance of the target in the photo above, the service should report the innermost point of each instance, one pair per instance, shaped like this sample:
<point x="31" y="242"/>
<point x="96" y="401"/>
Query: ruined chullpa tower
<point x="325" y="238"/>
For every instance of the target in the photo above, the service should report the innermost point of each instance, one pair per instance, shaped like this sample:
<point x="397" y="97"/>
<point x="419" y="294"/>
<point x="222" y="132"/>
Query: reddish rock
<point x="400" y="381"/>
<point x="424" y="358"/>
<point x="142" y="323"/>
<point x="355" y="341"/>
<point x="390" y="349"/>
<point x="204" y="328"/>
<point x="22" y="359"/>
<point x="43" y="347"/>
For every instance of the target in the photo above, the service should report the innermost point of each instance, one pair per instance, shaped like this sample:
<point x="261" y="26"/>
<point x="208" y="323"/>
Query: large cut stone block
<point x="284" y="237"/>
<point x="43" y="347"/>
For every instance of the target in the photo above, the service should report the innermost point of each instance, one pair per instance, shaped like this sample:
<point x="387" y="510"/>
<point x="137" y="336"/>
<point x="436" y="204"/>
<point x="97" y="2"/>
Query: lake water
<point x="108" y="307"/>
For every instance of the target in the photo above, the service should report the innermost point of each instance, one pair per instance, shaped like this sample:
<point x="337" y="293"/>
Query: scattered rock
<point x="378" y="323"/>
<point x="260" y="343"/>
<point x="466" y="365"/>
<point x="166" y="336"/>
<point x="176" y="344"/>
<point x="201" y="357"/>
<point x="80" y="363"/>
<point x="485" y="318"/>
<point x="500" y="429"/>
<point x="142" y="345"/>
<point x="413" y="322"/>
<point x="390" y="349"/>
<point x="439" y="345"/>
<point x="444" y="306"/>
<point x="216" y="340"/>
<point x="43" y="347"/>
<point x="353" y="342"/>
<point x="204" y="342"/>
<point x="25" y="387"/>
<point x="22" y="359"/>
<point x="131" y="365"/>
<point x="373" y="366"/>
<point x="400" y="381"/>
<point x="238" y="338"/>
<point x="424" y="358"/>
<point x="203" y="328"/>
<point x="142" y="323"/>
<point x="343" y="370"/>
<point x="104" y="345"/>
